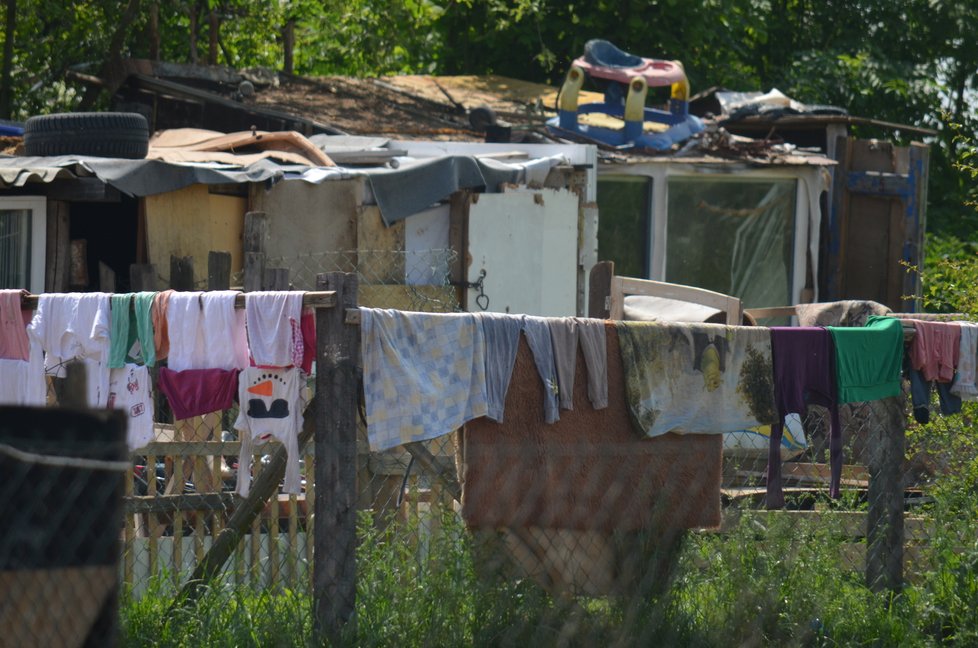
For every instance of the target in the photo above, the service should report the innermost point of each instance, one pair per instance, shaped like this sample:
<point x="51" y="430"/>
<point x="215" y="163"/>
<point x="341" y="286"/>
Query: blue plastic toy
<point x="627" y="79"/>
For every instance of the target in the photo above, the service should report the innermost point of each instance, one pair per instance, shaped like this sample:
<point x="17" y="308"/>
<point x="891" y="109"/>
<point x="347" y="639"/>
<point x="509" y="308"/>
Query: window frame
<point x="38" y="259"/>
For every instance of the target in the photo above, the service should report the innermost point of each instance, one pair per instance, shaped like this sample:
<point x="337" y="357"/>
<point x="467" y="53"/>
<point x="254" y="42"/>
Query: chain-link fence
<point x="405" y="280"/>
<point x="490" y="537"/>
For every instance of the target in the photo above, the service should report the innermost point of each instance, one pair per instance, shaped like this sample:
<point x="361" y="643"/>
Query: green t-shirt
<point x="868" y="359"/>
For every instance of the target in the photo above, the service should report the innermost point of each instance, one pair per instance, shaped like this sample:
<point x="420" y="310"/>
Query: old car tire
<point x="108" y="134"/>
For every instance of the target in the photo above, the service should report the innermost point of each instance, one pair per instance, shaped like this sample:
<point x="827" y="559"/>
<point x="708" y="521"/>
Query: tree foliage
<point x="906" y="62"/>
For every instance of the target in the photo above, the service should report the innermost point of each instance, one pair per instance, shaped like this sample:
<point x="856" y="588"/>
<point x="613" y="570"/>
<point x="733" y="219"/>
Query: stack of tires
<point x="106" y="134"/>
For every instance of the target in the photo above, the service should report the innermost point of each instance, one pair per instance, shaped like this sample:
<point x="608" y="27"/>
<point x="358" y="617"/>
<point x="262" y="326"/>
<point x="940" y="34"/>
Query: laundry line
<point x="314" y="299"/>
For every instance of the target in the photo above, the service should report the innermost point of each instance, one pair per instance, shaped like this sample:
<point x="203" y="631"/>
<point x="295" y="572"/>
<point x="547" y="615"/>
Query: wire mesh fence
<point x="405" y="280"/>
<point x="466" y="540"/>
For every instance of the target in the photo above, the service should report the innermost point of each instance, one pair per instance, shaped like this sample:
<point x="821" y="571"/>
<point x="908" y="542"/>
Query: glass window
<point x="22" y="243"/>
<point x="733" y="236"/>
<point x="624" y="205"/>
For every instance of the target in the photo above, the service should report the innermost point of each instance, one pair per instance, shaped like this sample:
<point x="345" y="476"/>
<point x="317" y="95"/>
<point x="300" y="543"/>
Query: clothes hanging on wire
<point x="269" y="409"/>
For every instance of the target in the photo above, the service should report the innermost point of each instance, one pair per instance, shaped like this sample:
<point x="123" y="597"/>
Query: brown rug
<point x="590" y="471"/>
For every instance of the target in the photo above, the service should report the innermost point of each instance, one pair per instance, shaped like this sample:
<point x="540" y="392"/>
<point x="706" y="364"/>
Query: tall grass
<point x="769" y="581"/>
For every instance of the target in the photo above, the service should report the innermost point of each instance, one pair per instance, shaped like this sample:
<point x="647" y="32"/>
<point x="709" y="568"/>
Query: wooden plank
<point x="310" y="464"/>
<point x="599" y="289"/>
<point x="57" y="243"/>
<point x="885" y="535"/>
<point x="106" y="278"/>
<point x="181" y="273"/>
<point x="143" y="277"/>
<point x="129" y="533"/>
<point x="156" y="504"/>
<point x="334" y="577"/>
<point x="275" y="279"/>
<point x="218" y="270"/>
<point x="152" y="523"/>
<point x="253" y="243"/>
<point x="839" y="221"/>
<point x="176" y="565"/>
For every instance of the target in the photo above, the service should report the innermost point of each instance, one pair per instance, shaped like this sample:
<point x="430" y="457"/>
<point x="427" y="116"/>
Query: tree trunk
<point x="193" y="32"/>
<point x="288" y="44"/>
<point x="111" y="71"/>
<point x="154" y="31"/>
<point x="6" y="89"/>
<point x="214" y="25"/>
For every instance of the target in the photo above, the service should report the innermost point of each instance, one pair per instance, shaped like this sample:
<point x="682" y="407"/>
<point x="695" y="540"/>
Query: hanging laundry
<point x="537" y="332"/>
<point x="161" y="336"/>
<point x="424" y="374"/>
<point x="696" y="378"/>
<point x="14" y="343"/>
<point x="22" y="382"/>
<point x="868" y="359"/>
<point x="934" y="349"/>
<point x="502" y="336"/>
<point x="270" y="408"/>
<point x="132" y="341"/>
<point x="195" y="392"/>
<point x="75" y="326"/>
<point x="274" y="327"/>
<point x="920" y="393"/>
<point x="130" y="391"/>
<point x="804" y="374"/>
<point x="964" y="385"/>
<point x="206" y="331"/>
<point x="567" y="334"/>
<point x="593" y="334"/>
<point x="565" y="339"/>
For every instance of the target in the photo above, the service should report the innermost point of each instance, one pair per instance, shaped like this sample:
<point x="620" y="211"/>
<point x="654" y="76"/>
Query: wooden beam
<point x="337" y="357"/>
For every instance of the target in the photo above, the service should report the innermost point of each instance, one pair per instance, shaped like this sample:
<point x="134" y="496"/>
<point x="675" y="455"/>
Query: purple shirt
<point x="804" y="374"/>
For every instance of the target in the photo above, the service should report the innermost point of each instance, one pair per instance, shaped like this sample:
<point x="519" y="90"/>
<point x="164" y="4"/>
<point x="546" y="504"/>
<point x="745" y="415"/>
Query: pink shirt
<point x="14" y="344"/>
<point x="934" y="350"/>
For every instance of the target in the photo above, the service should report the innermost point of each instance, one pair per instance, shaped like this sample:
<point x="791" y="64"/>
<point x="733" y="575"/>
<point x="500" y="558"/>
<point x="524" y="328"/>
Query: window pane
<point x="734" y="237"/>
<point x="15" y="248"/>
<point x="623" y="229"/>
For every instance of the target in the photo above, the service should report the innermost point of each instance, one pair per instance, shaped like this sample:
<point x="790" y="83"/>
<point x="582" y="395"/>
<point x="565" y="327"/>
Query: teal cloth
<point x="868" y="359"/>
<point x="123" y="334"/>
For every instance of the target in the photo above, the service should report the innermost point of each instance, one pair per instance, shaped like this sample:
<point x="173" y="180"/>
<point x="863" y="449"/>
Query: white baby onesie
<point x="269" y="408"/>
<point x="130" y="391"/>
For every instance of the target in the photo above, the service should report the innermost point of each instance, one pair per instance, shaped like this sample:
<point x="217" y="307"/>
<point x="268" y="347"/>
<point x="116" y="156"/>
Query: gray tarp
<point x="409" y="189"/>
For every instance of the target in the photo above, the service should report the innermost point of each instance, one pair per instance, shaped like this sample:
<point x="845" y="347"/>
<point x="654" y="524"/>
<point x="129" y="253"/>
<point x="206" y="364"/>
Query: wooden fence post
<point x="275" y="279"/>
<point x="884" y="535"/>
<point x="334" y="560"/>
<point x="181" y="273"/>
<point x="142" y="277"/>
<point x="218" y="270"/>
<point x="255" y="234"/>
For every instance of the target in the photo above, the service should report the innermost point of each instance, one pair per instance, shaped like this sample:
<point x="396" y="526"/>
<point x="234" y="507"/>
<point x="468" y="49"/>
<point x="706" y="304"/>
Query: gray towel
<point x="594" y="344"/>
<point x="537" y="333"/>
<point x="502" y="335"/>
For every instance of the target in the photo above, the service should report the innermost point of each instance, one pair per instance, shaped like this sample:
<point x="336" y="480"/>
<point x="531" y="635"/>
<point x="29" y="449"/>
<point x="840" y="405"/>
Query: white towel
<point x="274" y="334"/>
<point x="206" y="331"/>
